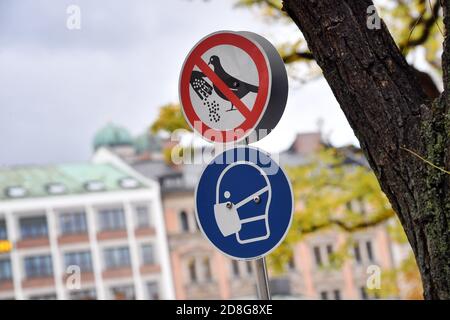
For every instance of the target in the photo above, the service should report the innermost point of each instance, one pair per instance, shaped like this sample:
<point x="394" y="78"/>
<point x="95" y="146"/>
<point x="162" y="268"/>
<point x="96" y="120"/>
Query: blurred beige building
<point x="128" y="220"/>
<point x="310" y="274"/>
<point x="201" y="272"/>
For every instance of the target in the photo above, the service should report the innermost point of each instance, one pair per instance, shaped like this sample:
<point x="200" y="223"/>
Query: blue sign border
<point x="224" y="155"/>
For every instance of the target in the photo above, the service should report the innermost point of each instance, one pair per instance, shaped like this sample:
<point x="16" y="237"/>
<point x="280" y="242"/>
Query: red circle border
<point x="262" y="66"/>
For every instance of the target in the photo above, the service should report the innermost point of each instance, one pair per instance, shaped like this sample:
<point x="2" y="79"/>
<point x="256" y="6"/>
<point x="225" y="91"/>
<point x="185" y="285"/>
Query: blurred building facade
<point x="97" y="222"/>
<point x="128" y="220"/>
<point x="309" y="273"/>
<point x="201" y="272"/>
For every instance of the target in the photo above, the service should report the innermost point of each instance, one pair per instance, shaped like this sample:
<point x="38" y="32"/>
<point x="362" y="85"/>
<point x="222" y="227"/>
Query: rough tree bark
<point x="389" y="113"/>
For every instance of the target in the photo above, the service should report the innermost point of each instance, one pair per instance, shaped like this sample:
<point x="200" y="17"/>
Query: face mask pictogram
<point x="230" y="212"/>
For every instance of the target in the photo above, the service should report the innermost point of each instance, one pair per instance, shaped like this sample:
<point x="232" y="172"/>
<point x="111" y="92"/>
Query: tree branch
<point x="370" y="78"/>
<point x="427" y="25"/>
<point x="297" y="56"/>
<point x="346" y="226"/>
<point x="426" y="82"/>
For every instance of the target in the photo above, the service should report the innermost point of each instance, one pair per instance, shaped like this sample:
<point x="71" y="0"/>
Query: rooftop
<point x="112" y="135"/>
<point x="44" y="181"/>
<point x="185" y="177"/>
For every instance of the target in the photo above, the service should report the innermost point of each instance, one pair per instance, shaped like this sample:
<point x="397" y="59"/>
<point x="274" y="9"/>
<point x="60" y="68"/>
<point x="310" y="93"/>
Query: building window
<point x="142" y="217"/>
<point x="192" y="271"/>
<point x="357" y="206"/>
<point x="153" y="290"/>
<point x="5" y="270"/>
<point x="123" y="293"/>
<point x="73" y="223"/>
<point x="184" y="221"/>
<point x="197" y="226"/>
<point x="329" y="253"/>
<point x="50" y="296"/>
<point x="280" y="286"/>
<point x="112" y="219"/>
<point x="207" y="269"/>
<point x="317" y="256"/>
<point x="172" y="182"/>
<point x="80" y="259"/>
<point x="89" y="294"/>
<point x="117" y="258"/>
<point x="16" y="192"/>
<point x="357" y="253"/>
<point x="249" y="267"/>
<point x="291" y="263"/>
<point x="337" y="294"/>
<point x="94" y="186"/>
<point x="33" y="227"/>
<point x="348" y="205"/>
<point x="363" y="293"/>
<point x="324" y="295"/>
<point x="148" y="254"/>
<point x="3" y="233"/>
<point x="38" y="267"/>
<point x="128" y="183"/>
<point x="369" y="251"/>
<point x="235" y="268"/>
<point x="56" y="188"/>
<point x="362" y="206"/>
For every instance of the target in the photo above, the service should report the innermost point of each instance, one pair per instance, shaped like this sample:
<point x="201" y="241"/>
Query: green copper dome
<point x="112" y="135"/>
<point x="147" y="142"/>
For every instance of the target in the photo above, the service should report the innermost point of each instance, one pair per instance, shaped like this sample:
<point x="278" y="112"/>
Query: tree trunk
<point x="394" y="121"/>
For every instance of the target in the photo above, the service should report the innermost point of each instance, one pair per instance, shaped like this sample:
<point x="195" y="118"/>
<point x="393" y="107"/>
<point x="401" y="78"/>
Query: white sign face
<point x="233" y="84"/>
<point x="236" y="68"/>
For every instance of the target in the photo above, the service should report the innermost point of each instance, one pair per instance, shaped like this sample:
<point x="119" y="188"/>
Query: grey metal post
<point x="262" y="279"/>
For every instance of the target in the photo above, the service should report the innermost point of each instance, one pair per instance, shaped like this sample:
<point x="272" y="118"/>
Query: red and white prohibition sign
<point x="226" y="86"/>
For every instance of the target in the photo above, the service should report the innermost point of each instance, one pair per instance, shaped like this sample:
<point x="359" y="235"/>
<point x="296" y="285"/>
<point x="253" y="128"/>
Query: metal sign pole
<point x="262" y="280"/>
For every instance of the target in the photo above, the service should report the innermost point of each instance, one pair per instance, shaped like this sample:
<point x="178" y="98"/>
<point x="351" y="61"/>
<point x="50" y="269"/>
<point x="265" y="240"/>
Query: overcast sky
<point x="59" y="86"/>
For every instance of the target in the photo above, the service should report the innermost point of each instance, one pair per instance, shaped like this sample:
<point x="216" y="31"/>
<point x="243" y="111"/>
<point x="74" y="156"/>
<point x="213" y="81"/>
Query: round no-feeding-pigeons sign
<point x="233" y="85"/>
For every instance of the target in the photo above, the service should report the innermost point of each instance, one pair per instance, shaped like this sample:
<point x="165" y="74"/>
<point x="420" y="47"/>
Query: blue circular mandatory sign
<point x="244" y="203"/>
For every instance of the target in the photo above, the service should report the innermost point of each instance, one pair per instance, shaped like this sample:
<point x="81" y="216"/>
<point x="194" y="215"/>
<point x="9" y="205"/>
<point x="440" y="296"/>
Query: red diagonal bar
<point x="223" y="88"/>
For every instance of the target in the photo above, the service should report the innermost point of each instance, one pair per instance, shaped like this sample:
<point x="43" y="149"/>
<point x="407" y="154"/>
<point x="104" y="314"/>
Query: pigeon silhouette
<point x="238" y="87"/>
